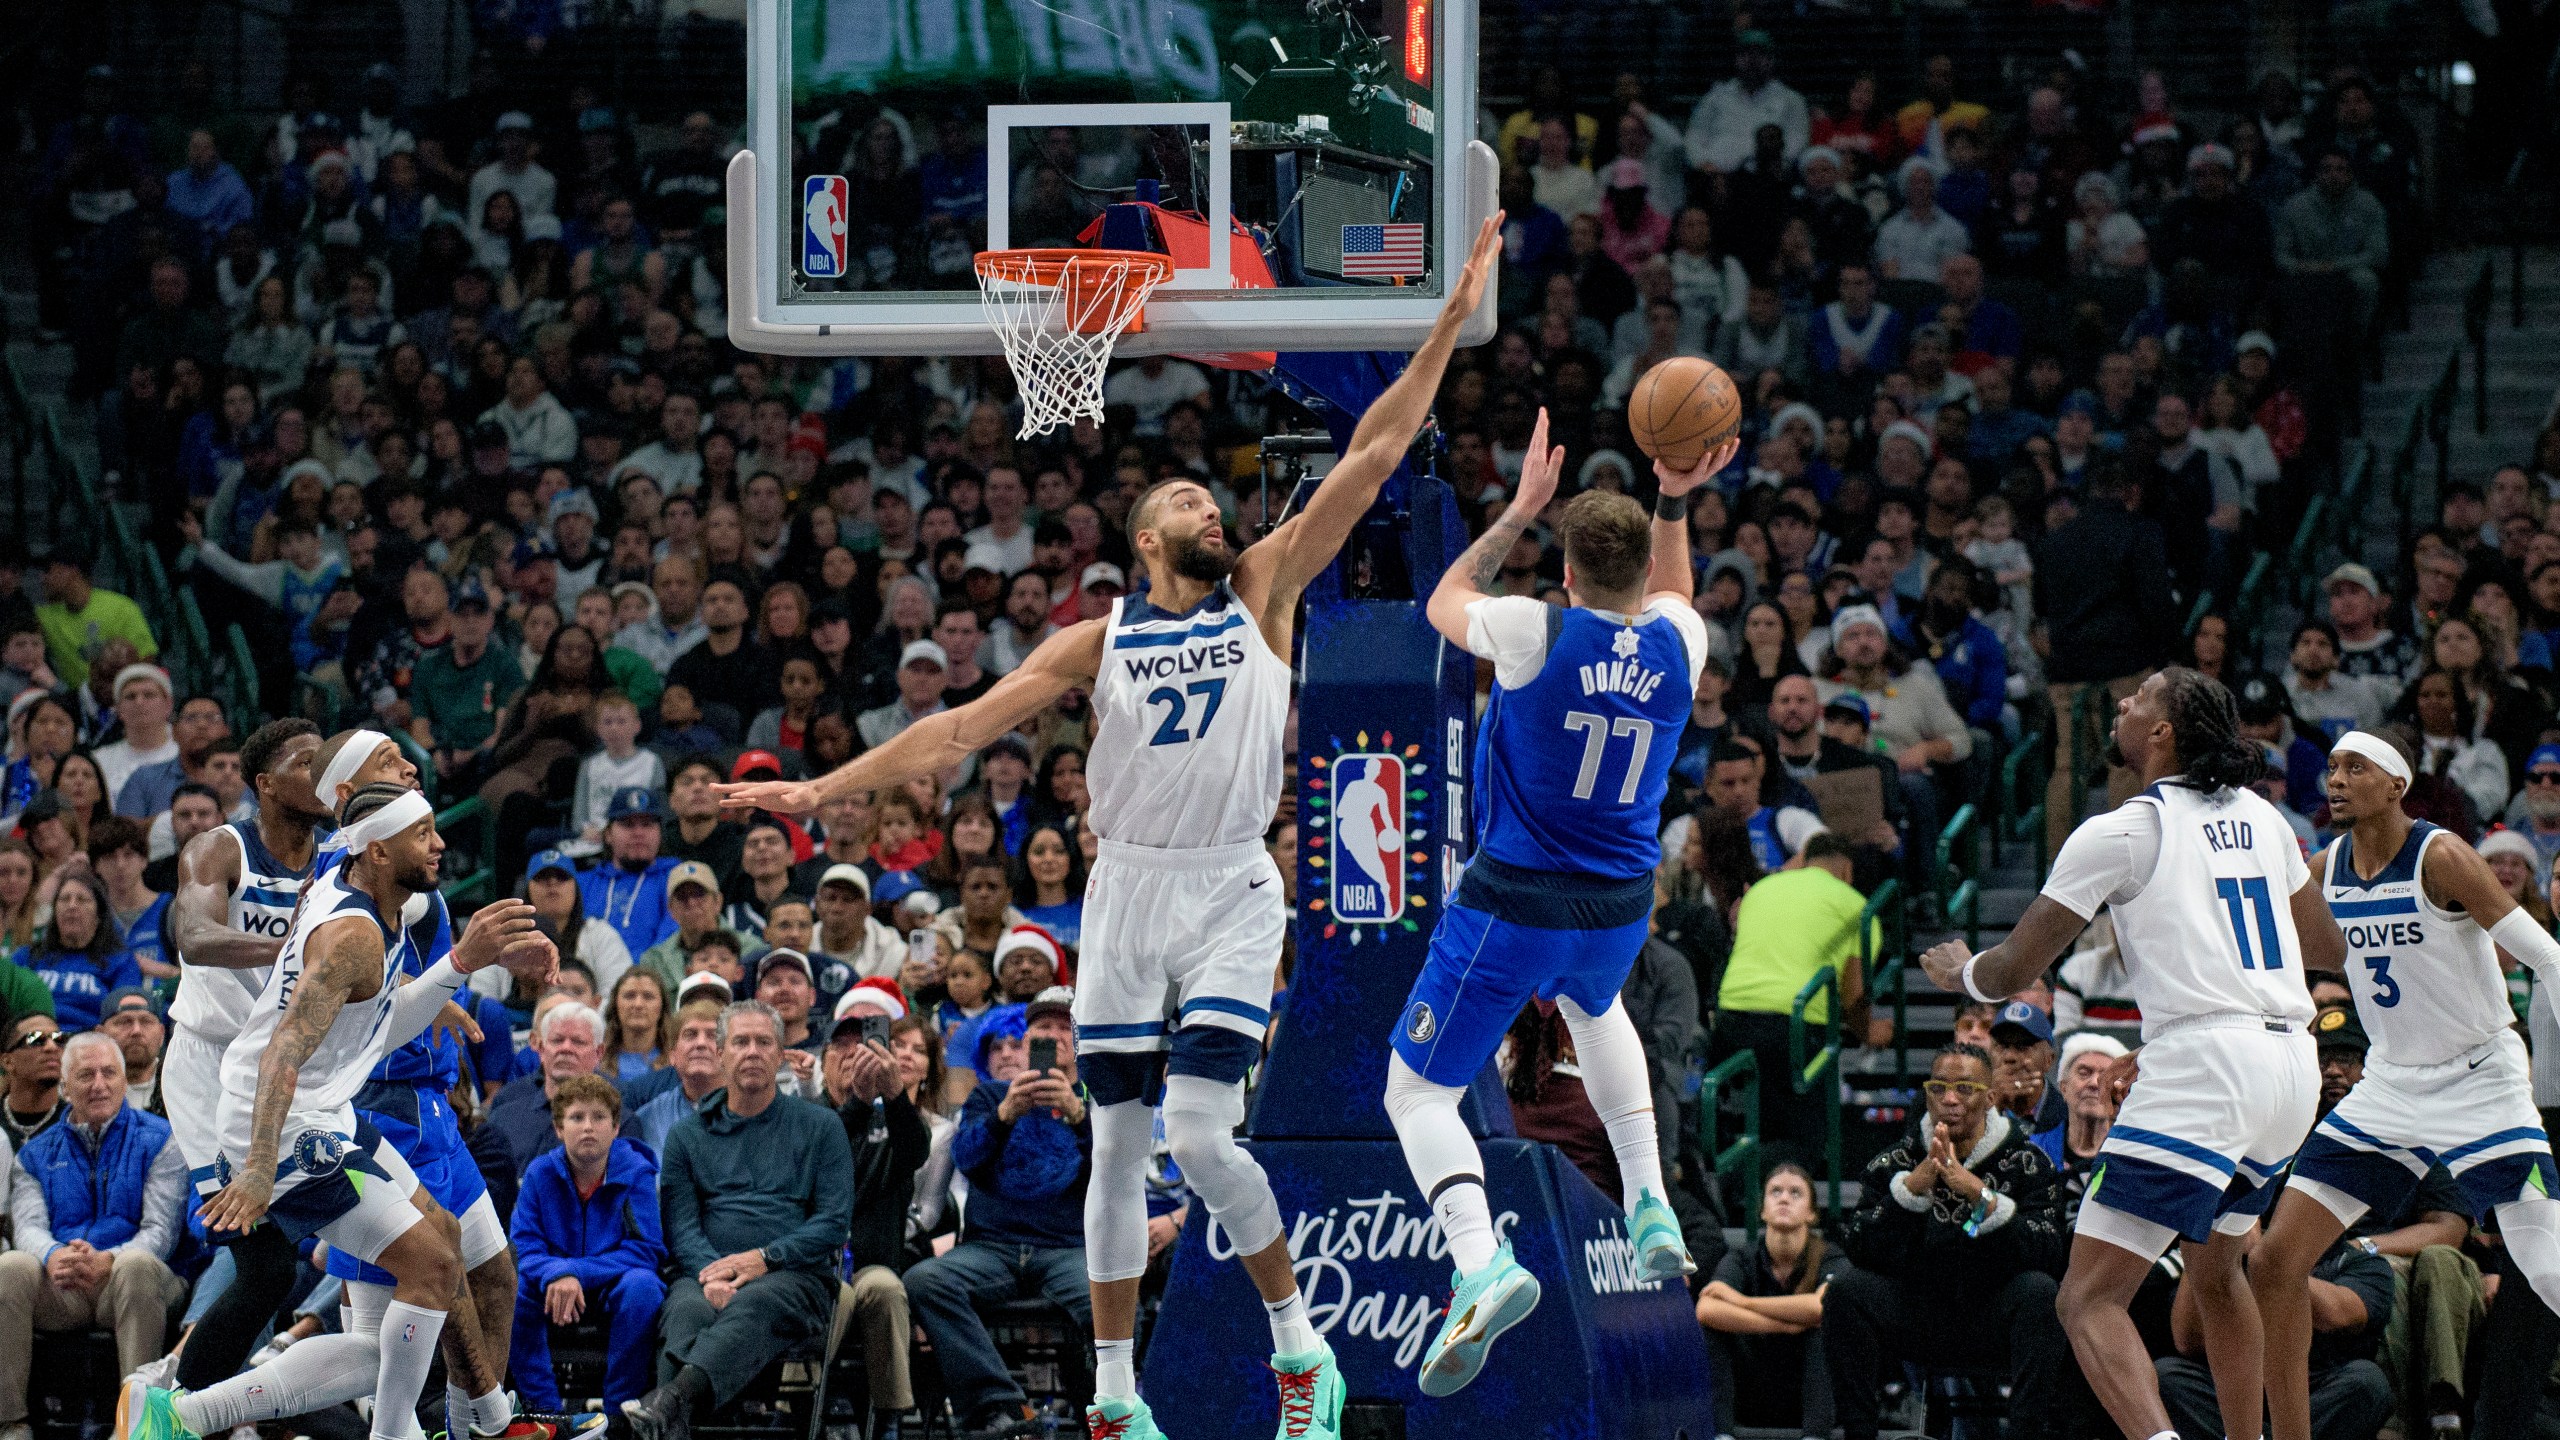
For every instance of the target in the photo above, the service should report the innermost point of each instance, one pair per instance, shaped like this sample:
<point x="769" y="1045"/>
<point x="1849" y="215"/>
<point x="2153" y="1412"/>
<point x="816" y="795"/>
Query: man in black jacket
<point x="2102" y="586"/>
<point x="890" y="1140"/>
<point x="1954" y="1249"/>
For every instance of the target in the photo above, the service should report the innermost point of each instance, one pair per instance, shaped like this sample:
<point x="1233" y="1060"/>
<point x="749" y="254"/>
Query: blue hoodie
<point x="597" y="1238"/>
<point x="634" y="905"/>
<point x="79" y="984"/>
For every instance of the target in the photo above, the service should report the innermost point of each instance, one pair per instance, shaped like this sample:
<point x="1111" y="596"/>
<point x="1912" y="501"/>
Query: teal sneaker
<point x="1119" y="1419"/>
<point x="1310" y="1394"/>
<point x="1660" y="1252"/>
<point x="144" y="1412"/>
<point x="1487" y="1303"/>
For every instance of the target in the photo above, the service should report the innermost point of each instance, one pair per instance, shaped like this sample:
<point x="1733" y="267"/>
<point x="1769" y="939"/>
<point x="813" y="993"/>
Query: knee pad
<point x="1200" y="1119"/>
<point x="1115" y="1198"/>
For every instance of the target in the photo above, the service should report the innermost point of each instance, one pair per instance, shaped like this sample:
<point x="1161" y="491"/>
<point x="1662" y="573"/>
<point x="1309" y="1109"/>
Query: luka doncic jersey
<point x="213" y="1004"/>
<point x="1575" y="751"/>
<point x="2426" y="979"/>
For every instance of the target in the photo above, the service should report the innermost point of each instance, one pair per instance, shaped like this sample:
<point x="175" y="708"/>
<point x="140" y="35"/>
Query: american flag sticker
<point x="1385" y="251"/>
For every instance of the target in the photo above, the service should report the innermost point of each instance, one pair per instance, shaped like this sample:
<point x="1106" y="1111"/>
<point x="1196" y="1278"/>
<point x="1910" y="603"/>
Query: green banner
<point x="1025" y="50"/>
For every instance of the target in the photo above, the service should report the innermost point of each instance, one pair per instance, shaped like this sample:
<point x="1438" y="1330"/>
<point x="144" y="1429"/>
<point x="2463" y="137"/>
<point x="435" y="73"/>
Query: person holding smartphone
<point x="891" y="1139"/>
<point x="1025" y="1141"/>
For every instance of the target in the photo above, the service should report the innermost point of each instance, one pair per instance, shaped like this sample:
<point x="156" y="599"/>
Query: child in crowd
<point x="621" y="762"/>
<point x="22" y="666"/>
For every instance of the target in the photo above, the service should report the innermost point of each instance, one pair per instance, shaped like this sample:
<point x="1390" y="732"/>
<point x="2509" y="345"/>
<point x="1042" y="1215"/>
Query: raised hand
<point x="495" y="930"/>
<point x="1540" y="469"/>
<point x="1945" y="962"/>
<point x="1712" y="463"/>
<point x="1487" y="251"/>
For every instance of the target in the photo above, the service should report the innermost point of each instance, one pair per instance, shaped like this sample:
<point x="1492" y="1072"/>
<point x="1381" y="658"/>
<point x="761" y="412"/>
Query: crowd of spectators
<point x="437" y="404"/>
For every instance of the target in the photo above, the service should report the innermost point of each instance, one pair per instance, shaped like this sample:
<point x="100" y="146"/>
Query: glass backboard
<point x="892" y="140"/>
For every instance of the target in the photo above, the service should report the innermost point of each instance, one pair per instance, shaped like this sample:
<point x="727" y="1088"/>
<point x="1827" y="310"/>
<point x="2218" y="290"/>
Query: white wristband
<point x="1974" y="990"/>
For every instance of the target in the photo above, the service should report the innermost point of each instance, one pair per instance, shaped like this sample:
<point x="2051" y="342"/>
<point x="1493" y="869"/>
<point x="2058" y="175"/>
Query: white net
<point x="1058" y="314"/>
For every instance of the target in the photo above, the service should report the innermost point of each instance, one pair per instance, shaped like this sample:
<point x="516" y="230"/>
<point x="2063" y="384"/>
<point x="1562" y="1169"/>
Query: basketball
<point x="1683" y="408"/>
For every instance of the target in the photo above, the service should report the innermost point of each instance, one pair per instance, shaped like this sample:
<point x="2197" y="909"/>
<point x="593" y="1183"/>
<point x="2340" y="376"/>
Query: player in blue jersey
<point x="1572" y="760"/>
<point x="404" y="1099"/>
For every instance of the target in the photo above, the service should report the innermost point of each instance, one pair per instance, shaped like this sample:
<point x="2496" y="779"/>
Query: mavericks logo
<point x="1419" y="1027"/>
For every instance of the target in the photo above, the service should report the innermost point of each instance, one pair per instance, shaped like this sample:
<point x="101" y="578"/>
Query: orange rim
<point x="1087" y="276"/>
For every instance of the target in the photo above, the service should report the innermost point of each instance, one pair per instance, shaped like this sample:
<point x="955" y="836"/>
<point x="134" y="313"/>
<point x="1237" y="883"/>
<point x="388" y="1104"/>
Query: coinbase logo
<point x="1609" y="1263"/>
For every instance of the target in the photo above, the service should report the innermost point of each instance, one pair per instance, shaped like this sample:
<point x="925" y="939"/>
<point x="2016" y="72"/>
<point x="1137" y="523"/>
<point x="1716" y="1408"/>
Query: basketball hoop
<point x="1059" y="312"/>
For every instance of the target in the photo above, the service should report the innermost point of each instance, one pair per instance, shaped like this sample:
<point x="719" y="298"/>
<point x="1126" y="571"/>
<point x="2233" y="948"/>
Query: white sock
<point x="1467" y="1222"/>
<point x="492" y="1413"/>
<point x="1620" y="1086"/>
<point x="408" y="1352"/>
<point x="1291" y="1333"/>
<point x="457" y="1409"/>
<point x="1115" y="1370"/>
<point x="323" y="1371"/>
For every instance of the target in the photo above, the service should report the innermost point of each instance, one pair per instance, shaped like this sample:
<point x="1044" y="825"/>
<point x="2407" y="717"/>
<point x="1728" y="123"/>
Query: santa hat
<point x="1028" y="936"/>
<point x="879" y="992"/>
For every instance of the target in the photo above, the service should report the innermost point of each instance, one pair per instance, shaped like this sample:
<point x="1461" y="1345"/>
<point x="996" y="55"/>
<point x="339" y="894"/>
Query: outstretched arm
<point x="1296" y="553"/>
<point x="198" y="923"/>
<point x="1464" y="583"/>
<point x="1068" y="660"/>
<point x="1671" y="574"/>
<point x="342" y="956"/>
<point x="2041" y="935"/>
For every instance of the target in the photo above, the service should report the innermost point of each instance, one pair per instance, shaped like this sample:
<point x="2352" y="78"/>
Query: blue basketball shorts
<point x="1483" y="969"/>
<point x="419" y="1125"/>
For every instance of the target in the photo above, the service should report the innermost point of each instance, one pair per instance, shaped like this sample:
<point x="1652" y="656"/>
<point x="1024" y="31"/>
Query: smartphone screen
<point x="921" y="948"/>
<point x="1044" y="1055"/>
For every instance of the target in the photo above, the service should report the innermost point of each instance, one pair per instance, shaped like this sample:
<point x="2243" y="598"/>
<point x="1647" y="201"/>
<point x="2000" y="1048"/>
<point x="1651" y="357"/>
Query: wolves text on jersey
<point x="2397" y="933"/>
<point x="1186" y="661"/>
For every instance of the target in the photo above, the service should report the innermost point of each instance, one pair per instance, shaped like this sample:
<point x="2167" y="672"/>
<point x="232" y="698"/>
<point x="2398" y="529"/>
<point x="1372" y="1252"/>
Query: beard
<point x="2540" y="806"/>
<point x="1193" y="559"/>
<point x="2116" y="756"/>
<point x="416" y="879"/>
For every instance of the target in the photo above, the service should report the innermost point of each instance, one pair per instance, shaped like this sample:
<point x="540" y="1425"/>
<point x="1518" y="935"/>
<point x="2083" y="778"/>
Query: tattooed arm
<point x="1465" y="583"/>
<point x="343" y="962"/>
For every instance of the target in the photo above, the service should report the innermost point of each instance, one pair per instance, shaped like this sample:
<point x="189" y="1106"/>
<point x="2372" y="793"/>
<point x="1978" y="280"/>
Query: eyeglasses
<point x="34" y="1038"/>
<point x="1963" y="1089"/>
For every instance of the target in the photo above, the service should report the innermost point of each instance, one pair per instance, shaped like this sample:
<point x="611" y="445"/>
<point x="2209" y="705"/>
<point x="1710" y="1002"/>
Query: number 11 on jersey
<point x="2241" y="898"/>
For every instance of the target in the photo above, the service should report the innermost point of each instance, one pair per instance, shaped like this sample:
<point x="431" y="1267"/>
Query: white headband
<point x="2381" y="752"/>
<point x="349" y="759"/>
<point x="386" y="822"/>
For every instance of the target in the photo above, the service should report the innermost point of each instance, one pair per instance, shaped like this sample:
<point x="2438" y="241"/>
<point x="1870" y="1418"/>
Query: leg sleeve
<point x="1200" y="1120"/>
<point x="1115" y="1198"/>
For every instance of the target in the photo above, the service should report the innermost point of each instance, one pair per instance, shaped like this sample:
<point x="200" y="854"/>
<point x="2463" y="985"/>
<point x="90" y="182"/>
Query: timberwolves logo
<point x="1419" y="1026"/>
<point x="318" y="1152"/>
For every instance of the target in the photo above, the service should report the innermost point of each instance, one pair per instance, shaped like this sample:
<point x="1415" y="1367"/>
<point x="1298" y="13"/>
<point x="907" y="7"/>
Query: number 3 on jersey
<point x="1170" y="732"/>
<point x="2242" y="898"/>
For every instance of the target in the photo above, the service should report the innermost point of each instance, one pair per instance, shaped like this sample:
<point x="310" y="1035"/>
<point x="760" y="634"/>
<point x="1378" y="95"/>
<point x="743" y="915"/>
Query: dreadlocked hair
<point x="367" y="800"/>
<point x="2205" y="721"/>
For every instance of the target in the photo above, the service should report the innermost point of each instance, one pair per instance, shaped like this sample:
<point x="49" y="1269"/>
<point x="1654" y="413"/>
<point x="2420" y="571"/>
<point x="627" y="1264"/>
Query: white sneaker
<point x="160" y="1374"/>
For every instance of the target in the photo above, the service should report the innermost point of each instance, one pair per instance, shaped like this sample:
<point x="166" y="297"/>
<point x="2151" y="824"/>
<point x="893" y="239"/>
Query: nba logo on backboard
<point x="822" y="227"/>
<point x="1368" y="820"/>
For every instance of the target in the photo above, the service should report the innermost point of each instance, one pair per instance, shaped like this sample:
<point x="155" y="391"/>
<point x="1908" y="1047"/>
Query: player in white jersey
<point x="2446" y="1081"/>
<point x="2217" y="918"/>
<point x="1183" y="916"/>
<point x="296" y="1157"/>
<point x="237" y="888"/>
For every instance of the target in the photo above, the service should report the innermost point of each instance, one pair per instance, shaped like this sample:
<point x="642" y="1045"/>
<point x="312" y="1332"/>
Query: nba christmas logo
<point x="1369" y="838"/>
<point x="823" y="227"/>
